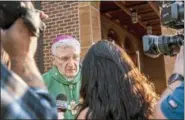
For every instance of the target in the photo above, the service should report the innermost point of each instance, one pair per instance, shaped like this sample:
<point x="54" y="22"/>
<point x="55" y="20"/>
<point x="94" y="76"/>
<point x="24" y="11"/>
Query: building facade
<point x="124" y="22"/>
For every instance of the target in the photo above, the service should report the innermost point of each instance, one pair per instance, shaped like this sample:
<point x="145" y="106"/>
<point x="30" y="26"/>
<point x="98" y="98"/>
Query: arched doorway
<point x="128" y="46"/>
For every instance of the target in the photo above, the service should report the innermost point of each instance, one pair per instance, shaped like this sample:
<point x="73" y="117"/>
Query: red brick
<point x="63" y="19"/>
<point x="66" y="6"/>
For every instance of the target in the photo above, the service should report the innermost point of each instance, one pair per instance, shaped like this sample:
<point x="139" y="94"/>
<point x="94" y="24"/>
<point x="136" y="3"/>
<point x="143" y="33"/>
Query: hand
<point x="18" y="41"/>
<point x="179" y="64"/>
<point x="30" y="6"/>
<point x="60" y="115"/>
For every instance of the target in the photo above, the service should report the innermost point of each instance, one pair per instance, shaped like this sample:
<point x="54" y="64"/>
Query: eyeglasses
<point x="66" y="58"/>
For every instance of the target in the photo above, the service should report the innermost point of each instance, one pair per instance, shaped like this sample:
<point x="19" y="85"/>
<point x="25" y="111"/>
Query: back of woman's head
<point x="109" y="87"/>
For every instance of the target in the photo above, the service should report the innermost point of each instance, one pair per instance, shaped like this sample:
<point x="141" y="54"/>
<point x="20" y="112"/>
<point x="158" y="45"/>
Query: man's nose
<point x="71" y="63"/>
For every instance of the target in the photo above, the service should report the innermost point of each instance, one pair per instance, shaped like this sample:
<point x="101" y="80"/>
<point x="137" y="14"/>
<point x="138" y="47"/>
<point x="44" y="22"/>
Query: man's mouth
<point x="72" y="70"/>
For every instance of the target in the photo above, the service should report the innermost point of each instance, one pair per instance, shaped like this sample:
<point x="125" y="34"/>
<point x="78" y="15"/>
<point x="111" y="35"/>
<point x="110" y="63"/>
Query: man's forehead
<point x="66" y="50"/>
<point x="65" y="47"/>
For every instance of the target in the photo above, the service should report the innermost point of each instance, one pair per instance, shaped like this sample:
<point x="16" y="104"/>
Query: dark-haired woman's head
<point x="112" y="87"/>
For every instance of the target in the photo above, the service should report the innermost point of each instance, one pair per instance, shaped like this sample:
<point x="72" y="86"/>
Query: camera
<point x="172" y="16"/>
<point x="10" y="11"/>
<point x="157" y="45"/>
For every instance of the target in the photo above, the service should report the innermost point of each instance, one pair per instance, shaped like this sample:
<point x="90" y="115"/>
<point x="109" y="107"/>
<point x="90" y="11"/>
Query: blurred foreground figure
<point x="23" y="94"/>
<point x="171" y="103"/>
<point x="112" y="87"/>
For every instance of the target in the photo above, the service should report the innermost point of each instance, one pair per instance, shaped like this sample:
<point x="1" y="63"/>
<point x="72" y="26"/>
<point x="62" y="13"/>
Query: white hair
<point x="67" y="42"/>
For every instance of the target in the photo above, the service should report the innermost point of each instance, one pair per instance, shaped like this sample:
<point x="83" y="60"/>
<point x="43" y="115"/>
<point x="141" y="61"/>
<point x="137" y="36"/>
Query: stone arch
<point x="131" y="48"/>
<point x="133" y="42"/>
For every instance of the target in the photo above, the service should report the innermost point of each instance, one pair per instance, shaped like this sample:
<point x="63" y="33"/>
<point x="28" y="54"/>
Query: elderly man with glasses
<point x="65" y="77"/>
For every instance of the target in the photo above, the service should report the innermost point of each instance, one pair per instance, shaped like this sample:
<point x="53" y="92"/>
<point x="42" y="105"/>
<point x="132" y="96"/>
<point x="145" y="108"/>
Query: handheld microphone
<point x="61" y="102"/>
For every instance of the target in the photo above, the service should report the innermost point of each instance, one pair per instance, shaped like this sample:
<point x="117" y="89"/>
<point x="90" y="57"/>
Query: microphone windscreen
<point x="61" y="97"/>
<point x="61" y="102"/>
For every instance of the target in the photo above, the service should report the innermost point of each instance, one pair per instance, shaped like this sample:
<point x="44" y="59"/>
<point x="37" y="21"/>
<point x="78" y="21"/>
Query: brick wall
<point x="63" y="19"/>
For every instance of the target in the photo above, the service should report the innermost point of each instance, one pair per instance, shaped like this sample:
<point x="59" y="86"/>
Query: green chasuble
<point x="57" y="84"/>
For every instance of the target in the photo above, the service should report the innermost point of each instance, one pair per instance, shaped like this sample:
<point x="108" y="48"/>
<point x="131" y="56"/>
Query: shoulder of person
<point x="83" y="114"/>
<point x="47" y="76"/>
<point x="48" y="73"/>
<point x="171" y="105"/>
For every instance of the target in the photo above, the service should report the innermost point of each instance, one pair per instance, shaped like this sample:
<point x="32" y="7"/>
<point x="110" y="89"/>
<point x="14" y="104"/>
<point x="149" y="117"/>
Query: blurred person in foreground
<point x="112" y="87"/>
<point x="171" y="103"/>
<point x="65" y="75"/>
<point x="23" y="93"/>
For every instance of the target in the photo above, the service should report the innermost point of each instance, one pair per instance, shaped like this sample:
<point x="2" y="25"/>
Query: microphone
<point x="61" y="102"/>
